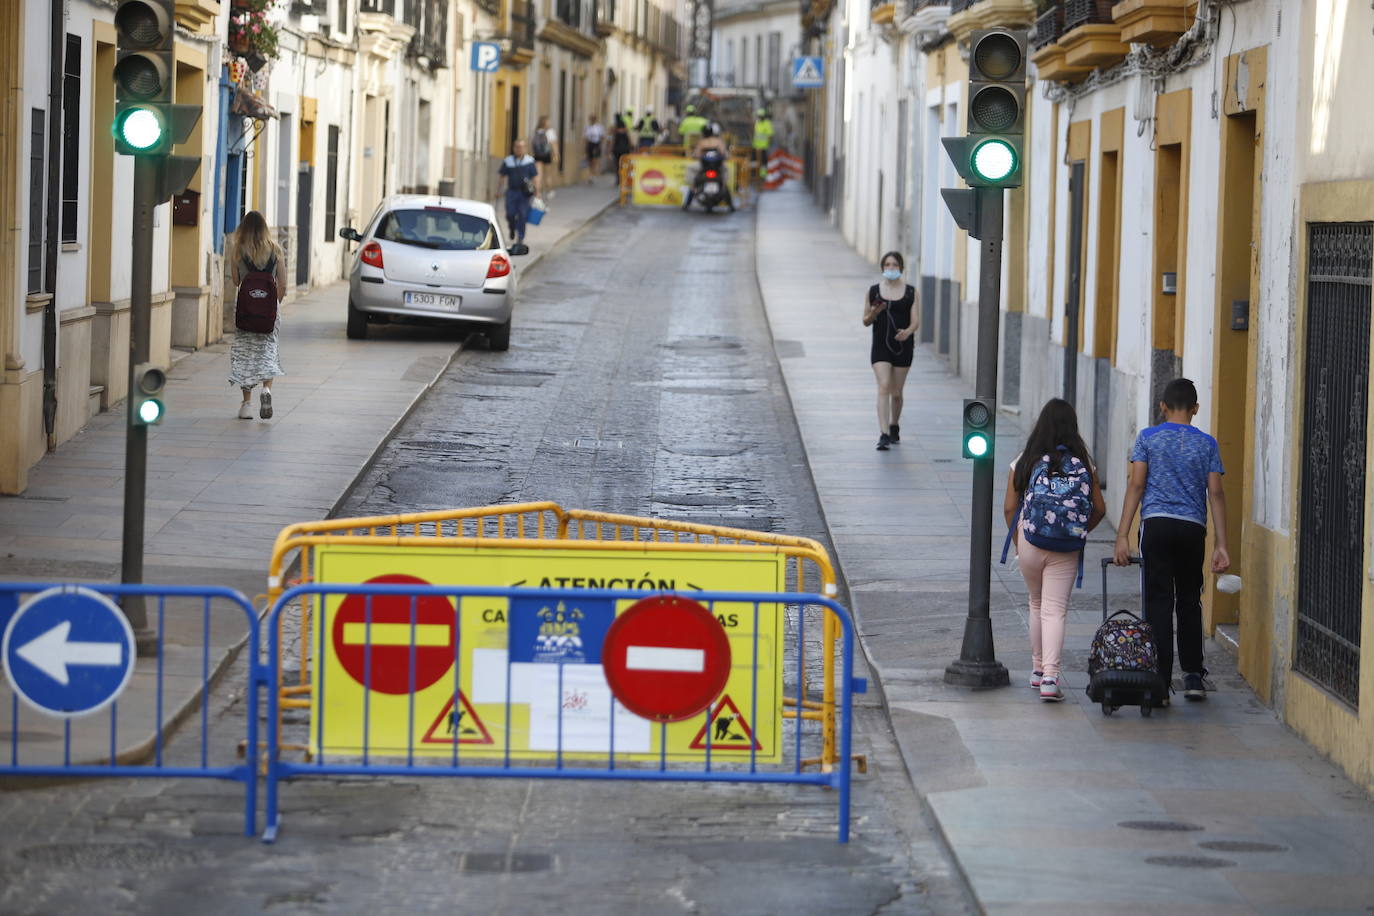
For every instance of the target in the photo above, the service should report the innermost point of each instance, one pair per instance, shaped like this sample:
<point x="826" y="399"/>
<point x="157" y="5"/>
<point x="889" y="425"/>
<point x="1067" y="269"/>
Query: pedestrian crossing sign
<point x="808" y="72"/>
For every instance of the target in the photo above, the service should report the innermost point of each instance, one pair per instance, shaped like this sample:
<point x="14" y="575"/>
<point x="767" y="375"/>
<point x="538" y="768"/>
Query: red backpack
<point x="256" y="309"/>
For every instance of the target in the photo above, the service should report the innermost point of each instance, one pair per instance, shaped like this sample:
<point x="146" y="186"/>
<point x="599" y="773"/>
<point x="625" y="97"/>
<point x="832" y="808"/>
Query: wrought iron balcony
<point x="1049" y="25"/>
<point x="522" y="24"/>
<point x="1084" y="12"/>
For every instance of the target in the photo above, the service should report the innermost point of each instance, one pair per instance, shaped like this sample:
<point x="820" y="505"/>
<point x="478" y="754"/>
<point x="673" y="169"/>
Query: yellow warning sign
<point x="659" y="180"/>
<point x="525" y="675"/>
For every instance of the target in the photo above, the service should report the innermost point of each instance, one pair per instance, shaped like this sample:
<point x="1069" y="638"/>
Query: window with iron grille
<point x="331" y="183"/>
<point x="71" y="137"/>
<point x="37" y="127"/>
<point x="1331" y="554"/>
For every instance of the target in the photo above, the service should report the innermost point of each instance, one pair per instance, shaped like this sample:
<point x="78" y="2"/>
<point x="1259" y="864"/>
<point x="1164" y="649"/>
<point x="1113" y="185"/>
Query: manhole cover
<point x="499" y="863"/>
<point x="709" y="342"/>
<point x="707" y="449"/>
<point x="121" y="856"/>
<point x="1190" y="862"/>
<point x="584" y="442"/>
<point x="695" y="499"/>
<point x="1242" y="846"/>
<point x="1158" y="825"/>
<point x="510" y="378"/>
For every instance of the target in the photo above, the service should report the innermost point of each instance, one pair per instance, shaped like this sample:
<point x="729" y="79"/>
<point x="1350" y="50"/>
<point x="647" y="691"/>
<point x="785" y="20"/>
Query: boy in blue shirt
<point x="1175" y="473"/>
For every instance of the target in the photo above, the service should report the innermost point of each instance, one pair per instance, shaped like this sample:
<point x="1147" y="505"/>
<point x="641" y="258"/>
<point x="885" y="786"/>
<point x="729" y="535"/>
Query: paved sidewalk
<point x="221" y="488"/>
<point x="1050" y="808"/>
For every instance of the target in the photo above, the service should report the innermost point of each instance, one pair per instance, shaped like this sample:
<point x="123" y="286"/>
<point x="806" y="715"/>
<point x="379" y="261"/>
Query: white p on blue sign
<point x="808" y="72"/>
<point x="486" y="56"/>
<point x="68" y="651"/>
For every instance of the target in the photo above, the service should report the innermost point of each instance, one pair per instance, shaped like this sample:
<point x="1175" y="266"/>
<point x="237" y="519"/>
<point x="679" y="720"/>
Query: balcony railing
<point x="1083" y="12"/>
<point x="1049" y="25"/>
<point x="569" y="12"/>
<point x="387" y="7"/>
<point x="522" y="24"/>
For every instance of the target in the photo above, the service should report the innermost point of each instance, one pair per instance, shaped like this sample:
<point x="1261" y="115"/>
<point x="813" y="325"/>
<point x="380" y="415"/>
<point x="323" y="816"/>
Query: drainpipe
<point x="56" y="71"/>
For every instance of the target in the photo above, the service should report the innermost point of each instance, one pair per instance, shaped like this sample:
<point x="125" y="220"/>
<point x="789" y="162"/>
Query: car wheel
<point x="357" y="323"/>
<point x="498" y="337"/>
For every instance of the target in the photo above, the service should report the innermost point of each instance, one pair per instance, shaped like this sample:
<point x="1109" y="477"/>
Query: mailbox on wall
<point x="186" y="208"/>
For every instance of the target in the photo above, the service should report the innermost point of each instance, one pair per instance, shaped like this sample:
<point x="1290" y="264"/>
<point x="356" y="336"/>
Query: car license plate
<point x="712" y="187"/>
<point x="434" y="301"/>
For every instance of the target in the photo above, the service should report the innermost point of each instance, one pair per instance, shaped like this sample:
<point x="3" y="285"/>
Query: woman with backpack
<point x="258" y="270"/>
<point x="544" y="144"/>
<point x="1053" y="500"/>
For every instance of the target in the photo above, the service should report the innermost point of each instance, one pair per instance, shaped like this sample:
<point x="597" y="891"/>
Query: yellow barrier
<point x="546" y="525"/>
<point x="655" y="177"/>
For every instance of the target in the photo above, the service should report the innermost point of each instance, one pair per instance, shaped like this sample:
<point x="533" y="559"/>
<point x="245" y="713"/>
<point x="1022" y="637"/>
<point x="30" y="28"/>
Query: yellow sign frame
<point x="549" y="709"/>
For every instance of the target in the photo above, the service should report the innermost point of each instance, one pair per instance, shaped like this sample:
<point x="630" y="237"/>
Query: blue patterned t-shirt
<point x="1180" y="457"/>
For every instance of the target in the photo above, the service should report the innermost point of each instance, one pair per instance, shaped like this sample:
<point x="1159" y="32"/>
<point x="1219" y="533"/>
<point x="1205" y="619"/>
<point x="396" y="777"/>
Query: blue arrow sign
<point x="808" y="72"/>
<point x="486" y="56"/>
<point x="68" y="651"/>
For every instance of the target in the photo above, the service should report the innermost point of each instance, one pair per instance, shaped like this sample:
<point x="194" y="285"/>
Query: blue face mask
<point x="892" y="275"/>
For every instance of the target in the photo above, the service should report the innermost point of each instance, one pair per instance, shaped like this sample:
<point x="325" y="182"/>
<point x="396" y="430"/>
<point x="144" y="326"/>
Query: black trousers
<point x="1172" y="551"/>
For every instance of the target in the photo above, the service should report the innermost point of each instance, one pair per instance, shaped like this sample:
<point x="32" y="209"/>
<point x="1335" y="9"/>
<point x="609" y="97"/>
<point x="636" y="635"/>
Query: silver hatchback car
<point x="432" y="259"/>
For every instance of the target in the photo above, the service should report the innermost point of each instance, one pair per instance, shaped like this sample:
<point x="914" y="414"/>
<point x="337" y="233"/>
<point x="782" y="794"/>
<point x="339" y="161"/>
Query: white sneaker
<point x="1050" y="690"/>
<point x="246" y="410"/>
<point x="1035" y="678"/>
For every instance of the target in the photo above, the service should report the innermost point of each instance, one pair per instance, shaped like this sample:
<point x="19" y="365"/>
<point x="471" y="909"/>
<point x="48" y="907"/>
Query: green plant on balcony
<point x="252" y="33"/>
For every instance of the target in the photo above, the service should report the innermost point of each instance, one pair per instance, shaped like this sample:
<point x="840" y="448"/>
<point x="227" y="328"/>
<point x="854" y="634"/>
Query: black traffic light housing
<point x="991" y="155"/>
<point x="980" y="416"/>
<point x="147" y="407"/>
<point x="147" y="123"/>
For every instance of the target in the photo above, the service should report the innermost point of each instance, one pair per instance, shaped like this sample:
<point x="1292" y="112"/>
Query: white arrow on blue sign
<point x="68" y="651"/>
<point x="808" y="72"/>
<point x="486" y="56"/>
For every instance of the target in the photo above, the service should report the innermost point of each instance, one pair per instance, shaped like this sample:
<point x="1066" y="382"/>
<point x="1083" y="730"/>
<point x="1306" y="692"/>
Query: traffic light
<point x="990" y="155"/>
<point x="147" y="123"/>
<point x="146" y="395"/>
<point x="978" y="427"/>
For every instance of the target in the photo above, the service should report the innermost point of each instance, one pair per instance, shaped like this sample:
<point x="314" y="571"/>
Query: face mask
<point x="892" y="274"/>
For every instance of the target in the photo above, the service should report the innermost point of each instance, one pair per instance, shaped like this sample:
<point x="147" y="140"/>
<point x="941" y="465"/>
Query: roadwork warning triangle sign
<point x="729" y="729"/>
<point x="463" y="726"/>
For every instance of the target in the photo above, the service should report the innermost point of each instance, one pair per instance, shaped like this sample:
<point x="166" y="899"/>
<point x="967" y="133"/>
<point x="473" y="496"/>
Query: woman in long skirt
<point x="253" y="361"/>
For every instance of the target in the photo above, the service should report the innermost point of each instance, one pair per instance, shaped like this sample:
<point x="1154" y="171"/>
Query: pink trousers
<point x="1049" y="576"/>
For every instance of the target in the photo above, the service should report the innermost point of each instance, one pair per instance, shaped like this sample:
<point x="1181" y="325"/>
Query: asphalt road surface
<point x="641" y="380"/>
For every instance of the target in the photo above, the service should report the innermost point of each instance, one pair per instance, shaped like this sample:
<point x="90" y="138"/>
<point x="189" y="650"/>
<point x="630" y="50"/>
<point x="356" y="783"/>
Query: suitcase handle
<point x="1108" y="561"/>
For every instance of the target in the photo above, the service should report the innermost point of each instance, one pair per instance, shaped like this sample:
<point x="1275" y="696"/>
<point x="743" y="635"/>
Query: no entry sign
<point x="387" y="630"/>
<point x="666" y="658"/>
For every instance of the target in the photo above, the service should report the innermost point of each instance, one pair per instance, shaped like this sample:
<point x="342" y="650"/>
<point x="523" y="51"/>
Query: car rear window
<point x="437" y="227"/>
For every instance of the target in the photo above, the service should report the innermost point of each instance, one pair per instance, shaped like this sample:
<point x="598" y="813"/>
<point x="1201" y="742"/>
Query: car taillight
<point x="712" y="173"/>
<point x="500" y="266"/>
<point x="372" y="254"/>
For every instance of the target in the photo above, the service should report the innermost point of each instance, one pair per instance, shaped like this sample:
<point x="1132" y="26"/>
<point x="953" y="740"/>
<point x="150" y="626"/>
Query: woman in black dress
<point x="891" y="309"/>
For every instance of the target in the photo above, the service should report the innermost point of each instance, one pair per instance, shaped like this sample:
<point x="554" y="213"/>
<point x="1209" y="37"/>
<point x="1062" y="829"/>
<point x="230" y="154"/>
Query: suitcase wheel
<point x="1146" y="707"/>
<point x="1107" y="708"/>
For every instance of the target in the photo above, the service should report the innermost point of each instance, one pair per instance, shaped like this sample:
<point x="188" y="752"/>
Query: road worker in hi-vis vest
<point x="690" y="128"/>
<point x="763" y="138"/>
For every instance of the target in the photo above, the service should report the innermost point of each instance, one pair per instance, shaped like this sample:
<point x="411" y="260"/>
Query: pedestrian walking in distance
<point x="593" y="137"/>
<point x="620" y="139"/>
<point x="259" y="276"/>
<point x="522" y="184"/>
<point x="1175" y="473"/>
<point x="544" y="143"/>
<point x="1053" y="500"/>
<point x="891" y="310"/>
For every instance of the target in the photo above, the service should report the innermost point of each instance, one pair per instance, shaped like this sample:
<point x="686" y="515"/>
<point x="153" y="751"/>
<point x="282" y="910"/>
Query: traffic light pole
<point x="146" y="175"/>
<point x="977" y="665"/>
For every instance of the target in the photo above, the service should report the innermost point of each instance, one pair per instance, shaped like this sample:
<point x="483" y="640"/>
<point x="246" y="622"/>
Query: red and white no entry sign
<point x="388" y="631"/>
<point x="666" y="658"/>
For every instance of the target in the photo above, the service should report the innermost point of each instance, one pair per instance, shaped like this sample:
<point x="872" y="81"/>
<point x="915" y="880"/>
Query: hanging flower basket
<point x="253" y="32"/>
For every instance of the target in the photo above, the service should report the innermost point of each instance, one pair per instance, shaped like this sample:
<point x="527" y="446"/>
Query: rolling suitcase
<point x="1122" y="669"/>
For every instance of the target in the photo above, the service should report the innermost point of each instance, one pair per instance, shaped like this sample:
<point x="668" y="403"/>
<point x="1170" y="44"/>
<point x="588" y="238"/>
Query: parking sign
<point x="486" y="56"/>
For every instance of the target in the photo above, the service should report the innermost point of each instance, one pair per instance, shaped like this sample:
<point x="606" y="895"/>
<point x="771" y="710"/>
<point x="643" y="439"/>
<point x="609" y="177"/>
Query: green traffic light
<point x="994" y="159"/>
<point x="140" y="128"/>
<point x="150" y="411"/>
<point x="977" y="445"/>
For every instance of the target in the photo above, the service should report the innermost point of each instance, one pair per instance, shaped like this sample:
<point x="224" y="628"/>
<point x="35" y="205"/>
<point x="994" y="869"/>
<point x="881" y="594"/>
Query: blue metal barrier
<point x="50" y="657"/>
<point x="606" y="762"/>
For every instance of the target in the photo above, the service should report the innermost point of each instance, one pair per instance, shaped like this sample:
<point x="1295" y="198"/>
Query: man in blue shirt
<point x="1175" y="473"/>
<point x="522" y="185"/>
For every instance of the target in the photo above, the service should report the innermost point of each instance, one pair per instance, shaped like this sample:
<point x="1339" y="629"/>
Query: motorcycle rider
<point x="710" y="140"/>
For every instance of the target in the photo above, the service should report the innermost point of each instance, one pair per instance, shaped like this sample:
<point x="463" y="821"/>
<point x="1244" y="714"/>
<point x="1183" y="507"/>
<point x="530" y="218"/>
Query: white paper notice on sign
<point x="586" y="704"/>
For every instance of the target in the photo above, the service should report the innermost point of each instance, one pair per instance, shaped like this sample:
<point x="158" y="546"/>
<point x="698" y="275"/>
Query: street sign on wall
<point x="486" y="56"/>
<point x="68" y="651"/>
<point x="808" y="72"/>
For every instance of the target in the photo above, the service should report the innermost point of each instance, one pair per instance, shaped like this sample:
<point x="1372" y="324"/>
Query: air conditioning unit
<point x="310" y="22"/>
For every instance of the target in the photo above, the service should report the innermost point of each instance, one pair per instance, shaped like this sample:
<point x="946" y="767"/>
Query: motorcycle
<point x="709" y="188"/>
